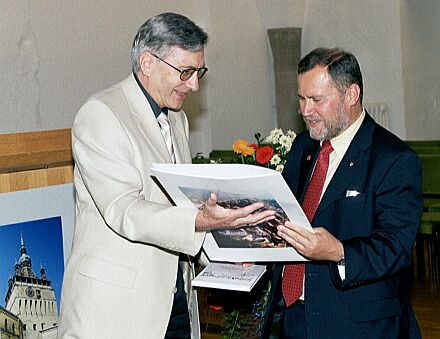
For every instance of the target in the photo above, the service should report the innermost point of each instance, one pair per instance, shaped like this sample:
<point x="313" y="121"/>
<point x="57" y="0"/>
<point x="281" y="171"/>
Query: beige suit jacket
<point x="120" y="279"/>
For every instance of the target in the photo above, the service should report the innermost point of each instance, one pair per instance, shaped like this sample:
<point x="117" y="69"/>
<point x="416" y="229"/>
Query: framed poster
<point x="36" y="225"/>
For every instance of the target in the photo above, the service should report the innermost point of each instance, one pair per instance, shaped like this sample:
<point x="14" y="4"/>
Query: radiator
<point x="379" y="112"/>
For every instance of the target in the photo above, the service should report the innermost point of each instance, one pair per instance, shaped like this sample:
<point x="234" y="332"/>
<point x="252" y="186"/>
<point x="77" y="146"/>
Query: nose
<point x="193" y="82"/>
<point x="306" y="107"/>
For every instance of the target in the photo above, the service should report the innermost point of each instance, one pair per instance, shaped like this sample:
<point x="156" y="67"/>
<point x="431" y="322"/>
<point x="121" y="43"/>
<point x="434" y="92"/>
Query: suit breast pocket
<point x="352" y="216"/>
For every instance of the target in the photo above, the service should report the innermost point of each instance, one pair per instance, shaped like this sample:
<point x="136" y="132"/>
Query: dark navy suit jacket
<point x="377" y="227"/>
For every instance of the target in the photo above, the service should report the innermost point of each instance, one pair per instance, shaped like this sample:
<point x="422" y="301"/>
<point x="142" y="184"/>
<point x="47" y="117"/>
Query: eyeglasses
<point x="186" y="74"/>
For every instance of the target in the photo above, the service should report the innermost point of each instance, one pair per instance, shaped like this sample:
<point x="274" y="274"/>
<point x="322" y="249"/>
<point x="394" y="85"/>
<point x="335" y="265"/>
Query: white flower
<point x="286" y="141"/>
<point x="291" y="134"/>
<point x="277" y="132"/>
<point x="275" y="160"/>
<point x="280" y="168"/>
<point x="272" y="139"/>
<point x="274" y="136"/>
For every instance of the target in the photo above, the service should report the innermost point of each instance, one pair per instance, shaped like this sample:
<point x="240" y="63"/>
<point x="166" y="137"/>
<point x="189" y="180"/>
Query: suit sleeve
<point x="130" y="202"/>
<point x="396" y="210"/>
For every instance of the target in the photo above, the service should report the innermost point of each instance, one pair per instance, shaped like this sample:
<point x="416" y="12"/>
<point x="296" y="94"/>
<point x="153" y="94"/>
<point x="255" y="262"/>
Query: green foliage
<point x="217" y="157"/>
<point x="232" y="324"/>
<point x="200" y="159"/>
<point x="245" y="320"/>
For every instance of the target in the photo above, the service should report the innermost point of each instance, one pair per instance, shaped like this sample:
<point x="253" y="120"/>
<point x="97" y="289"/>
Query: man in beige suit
<point x="128" y="273"/>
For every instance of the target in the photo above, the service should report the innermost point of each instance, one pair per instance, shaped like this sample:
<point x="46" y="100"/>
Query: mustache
<point x="311" y="118"/>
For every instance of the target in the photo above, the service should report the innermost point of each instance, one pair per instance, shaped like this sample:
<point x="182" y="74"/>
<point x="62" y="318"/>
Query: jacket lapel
<point x="146" y="120"/>
<point x="308" y="160"/>
<point x="350" y="165"/>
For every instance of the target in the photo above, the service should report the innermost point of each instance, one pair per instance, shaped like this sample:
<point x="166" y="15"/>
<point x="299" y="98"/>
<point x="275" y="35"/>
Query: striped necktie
<point x="165" y="128"/>
<point x="293" y="276"/>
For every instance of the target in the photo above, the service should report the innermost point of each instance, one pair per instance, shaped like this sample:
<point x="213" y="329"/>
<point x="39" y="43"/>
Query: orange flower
<point x="241" y="146"/>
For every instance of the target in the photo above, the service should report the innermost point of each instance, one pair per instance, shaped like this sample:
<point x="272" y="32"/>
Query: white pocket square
<point x="350" y="193"/>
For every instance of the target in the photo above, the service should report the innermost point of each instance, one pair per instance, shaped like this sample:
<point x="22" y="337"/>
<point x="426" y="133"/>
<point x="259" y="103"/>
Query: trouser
<point x="178" y="326"/>
<point x="294" y="322"/>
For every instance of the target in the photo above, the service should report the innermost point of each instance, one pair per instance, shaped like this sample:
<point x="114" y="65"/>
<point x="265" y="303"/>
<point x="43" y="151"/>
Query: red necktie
<point x="293" y="275"/>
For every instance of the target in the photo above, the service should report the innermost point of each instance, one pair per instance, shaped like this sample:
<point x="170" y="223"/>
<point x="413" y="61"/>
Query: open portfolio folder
<point x="228" y="276"/>
<point x="237" y="185"/>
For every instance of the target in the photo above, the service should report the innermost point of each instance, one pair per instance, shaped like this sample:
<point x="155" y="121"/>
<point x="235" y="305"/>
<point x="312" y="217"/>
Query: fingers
<point x="260" y="217"/>
<point x="271" y="217"/>
<point x="251" y="208"/>
<point x="317" y="245"/>
<point x="291" y="231"/>
<point x="288" y="232"/>
<point x="252" y="219"/>
<point x="245" y="264"/>
<point x="248" y="264"/>
<point x="298" y="229"/>
<point x="214" y="216"/>
<point x="302" y="240"/>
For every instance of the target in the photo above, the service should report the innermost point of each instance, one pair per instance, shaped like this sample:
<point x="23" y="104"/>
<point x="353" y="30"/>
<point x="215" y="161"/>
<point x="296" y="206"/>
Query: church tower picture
<point x="32" y="299"/>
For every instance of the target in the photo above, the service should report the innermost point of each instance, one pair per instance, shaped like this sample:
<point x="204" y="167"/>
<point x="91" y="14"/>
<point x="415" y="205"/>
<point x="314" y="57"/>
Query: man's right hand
<point x="213" y="216"/>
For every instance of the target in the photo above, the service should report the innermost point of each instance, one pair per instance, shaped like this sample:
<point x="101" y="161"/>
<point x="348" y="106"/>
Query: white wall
<point x="421" y="51"/>
<point x="55" y="54"/>
<point x="237" y="97"/>
<point x="371" y="31"/>
<point x="19" y="66"/>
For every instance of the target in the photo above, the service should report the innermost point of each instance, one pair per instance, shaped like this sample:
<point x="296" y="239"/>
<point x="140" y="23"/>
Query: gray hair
<point x="342" y="67"/>
<point x="164" y="31"/>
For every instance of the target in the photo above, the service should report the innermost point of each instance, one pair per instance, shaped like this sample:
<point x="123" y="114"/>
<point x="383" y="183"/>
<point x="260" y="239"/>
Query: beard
<point x="333" y="126"/>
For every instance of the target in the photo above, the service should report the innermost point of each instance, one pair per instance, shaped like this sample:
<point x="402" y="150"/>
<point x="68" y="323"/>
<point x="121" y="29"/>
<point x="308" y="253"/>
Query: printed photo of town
<point x="263" y="235"/>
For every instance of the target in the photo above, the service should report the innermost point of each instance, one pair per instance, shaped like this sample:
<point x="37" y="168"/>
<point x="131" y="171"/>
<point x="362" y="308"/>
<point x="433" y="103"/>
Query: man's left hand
<point x="317" y="245"/>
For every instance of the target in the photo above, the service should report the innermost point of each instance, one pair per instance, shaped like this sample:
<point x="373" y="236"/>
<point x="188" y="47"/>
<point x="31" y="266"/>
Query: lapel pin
<point x="309" y="157"/>
<point x="351" y="164"/>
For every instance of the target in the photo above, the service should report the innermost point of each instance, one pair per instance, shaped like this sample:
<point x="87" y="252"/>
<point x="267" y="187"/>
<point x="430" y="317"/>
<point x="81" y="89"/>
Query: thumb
<point x="212" y="201"/>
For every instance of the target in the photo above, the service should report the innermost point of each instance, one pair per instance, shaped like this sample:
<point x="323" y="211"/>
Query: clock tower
<point x="32" y="299"/>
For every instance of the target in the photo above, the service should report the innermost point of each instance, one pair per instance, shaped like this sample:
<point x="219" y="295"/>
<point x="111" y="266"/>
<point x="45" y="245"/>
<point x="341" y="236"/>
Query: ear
<point x="145" y="62"/>
<point x="352" y="94"/>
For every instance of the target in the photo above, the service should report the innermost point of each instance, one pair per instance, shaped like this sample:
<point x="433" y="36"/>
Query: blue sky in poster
<point x="44" y="244"/>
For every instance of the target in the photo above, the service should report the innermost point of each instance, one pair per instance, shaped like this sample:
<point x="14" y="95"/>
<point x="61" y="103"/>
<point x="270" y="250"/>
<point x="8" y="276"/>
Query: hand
<point x="317" y="245"/>
<point x="213" y="216"/>
<point x="245" y="264"/>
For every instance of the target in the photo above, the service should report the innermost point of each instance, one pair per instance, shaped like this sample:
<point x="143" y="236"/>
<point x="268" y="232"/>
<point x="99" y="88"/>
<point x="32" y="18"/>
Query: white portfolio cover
<point x="237" y="185"/>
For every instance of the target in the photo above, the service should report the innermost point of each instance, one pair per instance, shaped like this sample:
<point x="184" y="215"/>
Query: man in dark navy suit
<point x="364" y="205"/>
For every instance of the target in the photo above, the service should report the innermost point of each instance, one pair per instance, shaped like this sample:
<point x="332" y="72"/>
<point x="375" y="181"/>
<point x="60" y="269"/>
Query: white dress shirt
<point x="340" y="145"/>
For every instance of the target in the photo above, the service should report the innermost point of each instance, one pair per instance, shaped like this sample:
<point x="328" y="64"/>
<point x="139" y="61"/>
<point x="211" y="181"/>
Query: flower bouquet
<point x="270" y="151"/>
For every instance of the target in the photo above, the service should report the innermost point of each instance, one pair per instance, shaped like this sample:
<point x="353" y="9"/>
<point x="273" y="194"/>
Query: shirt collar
<point x="154" y="106"/>
<point x="342" y="141"/>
